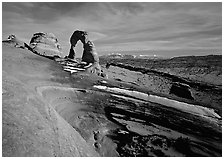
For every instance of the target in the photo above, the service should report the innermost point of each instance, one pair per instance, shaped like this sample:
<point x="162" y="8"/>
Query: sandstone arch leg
<point x="71" y="53"/>
<point x="90" y="55"/>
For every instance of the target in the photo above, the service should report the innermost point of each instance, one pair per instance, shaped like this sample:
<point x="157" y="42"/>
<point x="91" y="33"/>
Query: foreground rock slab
<point x="50" y="112"/>
<point x="30" y="124"/>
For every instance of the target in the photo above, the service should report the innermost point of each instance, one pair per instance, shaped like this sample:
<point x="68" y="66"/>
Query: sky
<point x="167" y="29"/>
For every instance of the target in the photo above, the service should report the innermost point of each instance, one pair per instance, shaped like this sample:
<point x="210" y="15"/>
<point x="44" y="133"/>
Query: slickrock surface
<point x="31" y="125"/>
<point x="50" y="111"/>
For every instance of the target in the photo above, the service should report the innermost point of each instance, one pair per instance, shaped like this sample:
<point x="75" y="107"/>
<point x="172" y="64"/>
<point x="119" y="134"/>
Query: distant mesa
<point x="112" y="56"/>
<point x="117" y="56"/>
<point x="46" y="44"/>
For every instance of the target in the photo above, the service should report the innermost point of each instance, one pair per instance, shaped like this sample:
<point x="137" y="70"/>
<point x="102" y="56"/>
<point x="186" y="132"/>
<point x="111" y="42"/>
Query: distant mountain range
<point x="127" y="56"/>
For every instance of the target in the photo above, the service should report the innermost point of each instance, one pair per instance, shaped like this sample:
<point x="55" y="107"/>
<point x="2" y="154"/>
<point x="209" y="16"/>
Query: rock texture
<point x="46" y="44"/>
<point x="31" y="125"/>
<point x="150" y="74"/>
<point x="49" y="112"/>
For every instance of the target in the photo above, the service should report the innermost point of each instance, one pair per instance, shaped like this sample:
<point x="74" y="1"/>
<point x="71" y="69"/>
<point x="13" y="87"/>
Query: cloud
<point x="120" y="26"/>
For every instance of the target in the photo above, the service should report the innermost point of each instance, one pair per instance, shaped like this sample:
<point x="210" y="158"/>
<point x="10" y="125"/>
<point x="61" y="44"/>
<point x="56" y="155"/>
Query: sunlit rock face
<point x="46" y="44"/>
